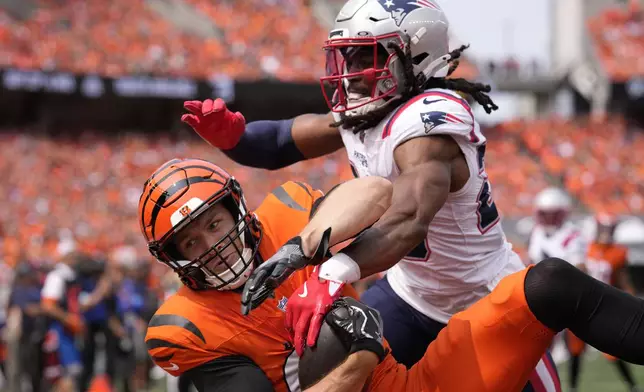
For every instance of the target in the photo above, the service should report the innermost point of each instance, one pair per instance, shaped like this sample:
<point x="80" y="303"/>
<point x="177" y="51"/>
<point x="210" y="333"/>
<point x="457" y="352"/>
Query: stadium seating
<point x="598" y="161"/>
<point x="618" y="34"/>
<point x="264" y="39"/>
<point x="91" y="186"/>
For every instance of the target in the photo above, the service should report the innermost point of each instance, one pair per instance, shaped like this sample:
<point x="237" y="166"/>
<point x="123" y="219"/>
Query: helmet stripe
<point x="177" y="187"/>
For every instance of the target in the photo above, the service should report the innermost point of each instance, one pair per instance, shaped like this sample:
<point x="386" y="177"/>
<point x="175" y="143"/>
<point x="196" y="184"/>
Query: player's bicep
<point x="230" y="374"/>
<point x="425" y="164"/>
<point x="314" y="136"/>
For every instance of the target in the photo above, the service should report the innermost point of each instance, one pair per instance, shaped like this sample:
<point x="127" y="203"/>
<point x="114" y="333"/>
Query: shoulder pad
<point x="435" y="112"/>
<point x="177" y="341"/>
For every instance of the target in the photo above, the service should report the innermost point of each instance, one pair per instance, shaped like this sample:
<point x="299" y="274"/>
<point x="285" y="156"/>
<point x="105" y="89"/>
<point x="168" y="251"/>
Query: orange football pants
<point x="492" y="346"/>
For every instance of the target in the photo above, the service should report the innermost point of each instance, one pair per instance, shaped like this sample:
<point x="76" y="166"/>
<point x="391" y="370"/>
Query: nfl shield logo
<point x="281" y="305"/>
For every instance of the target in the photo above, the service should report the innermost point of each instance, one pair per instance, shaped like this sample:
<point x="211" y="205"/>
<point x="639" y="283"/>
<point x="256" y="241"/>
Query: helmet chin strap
<point x="357" y="99"/>
<point x="242" y="267"/>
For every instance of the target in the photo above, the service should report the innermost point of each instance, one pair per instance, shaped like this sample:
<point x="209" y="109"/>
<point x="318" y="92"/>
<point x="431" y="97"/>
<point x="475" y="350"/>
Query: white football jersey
<point x="566" y="243"/>
<point x="465" y="253"/>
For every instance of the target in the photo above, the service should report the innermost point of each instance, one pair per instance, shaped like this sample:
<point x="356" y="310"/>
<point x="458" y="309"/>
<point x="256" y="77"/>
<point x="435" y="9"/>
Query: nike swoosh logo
<point x="172" y="368"/>
<point x="426" y="102"/>
<point x="305" y="293"/>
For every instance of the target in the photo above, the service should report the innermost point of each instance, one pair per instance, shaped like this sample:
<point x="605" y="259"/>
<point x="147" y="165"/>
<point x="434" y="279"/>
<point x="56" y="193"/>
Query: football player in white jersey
<point x="398" y="117"/>
<point x="554" y="235"/>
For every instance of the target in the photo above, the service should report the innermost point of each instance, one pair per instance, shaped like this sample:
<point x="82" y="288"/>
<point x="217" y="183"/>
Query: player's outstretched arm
<point x="418" y="194"/>
<point x="262" y="144"/>
<point x="344" y="212"/>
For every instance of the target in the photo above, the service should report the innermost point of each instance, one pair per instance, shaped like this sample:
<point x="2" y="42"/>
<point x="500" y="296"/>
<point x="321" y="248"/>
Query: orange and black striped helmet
<point x="173" y="197"/>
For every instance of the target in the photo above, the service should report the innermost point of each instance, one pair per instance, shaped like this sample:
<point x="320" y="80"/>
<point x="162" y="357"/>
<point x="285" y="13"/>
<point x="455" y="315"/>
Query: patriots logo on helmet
<point x="433" y="119"/>
<point x="400" y="8"/>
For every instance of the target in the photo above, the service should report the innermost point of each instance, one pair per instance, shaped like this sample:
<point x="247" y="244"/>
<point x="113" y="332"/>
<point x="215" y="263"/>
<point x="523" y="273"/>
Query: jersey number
<point x="486" y="212"/>
<point x="420" y="253"/>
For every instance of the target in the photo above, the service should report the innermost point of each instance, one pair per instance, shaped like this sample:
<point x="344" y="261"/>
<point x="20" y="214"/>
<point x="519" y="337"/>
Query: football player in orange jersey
<point x="606" y="261"/>
<point x="195" y="220"/>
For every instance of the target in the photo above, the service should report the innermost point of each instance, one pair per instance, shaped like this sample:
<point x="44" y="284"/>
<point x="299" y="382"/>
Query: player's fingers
<point x="288" y="320"/>
<point x="257" y="279"/>
<point x="280" y="273"/>
<point x="314" y="329"/>
<point x="219" y="105"/>
<point x="300" y="333"/>
<point x="193" y="107"/>
<point x="190" y="119"/>
<point x="246" y="297"/>
<point x="207" y="106"/>
<point x="239" y="120"/>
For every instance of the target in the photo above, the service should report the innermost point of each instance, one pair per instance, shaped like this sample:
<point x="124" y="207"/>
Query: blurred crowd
<point x="124" y="37"/>
<point x="266" y="38"/>
<point x="618" y="34"/>
<point x="598" y="161"/>
<point x="87" y="188"/>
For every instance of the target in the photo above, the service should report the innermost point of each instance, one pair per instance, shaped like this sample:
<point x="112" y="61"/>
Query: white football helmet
<point x="368" y="27"/>
<point x="552" y="207"/>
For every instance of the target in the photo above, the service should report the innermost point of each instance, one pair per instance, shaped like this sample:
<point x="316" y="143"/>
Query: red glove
<point x="214" y="122"/>
<point x="307" y="307"/>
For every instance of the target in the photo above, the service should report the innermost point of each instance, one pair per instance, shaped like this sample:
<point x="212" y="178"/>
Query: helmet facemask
<point x="227" y="263"/>
<point x="359" y="71"/>
<point x="391" y="79"/>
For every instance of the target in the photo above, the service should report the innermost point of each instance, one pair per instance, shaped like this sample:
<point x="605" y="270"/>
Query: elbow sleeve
<point x="266" y="145"/>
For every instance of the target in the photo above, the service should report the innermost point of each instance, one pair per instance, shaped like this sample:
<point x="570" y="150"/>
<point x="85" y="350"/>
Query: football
<point x="329" y="351"/>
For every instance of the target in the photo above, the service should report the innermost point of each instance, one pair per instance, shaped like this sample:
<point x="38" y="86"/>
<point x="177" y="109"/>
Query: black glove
<point x="273" y="272"/>
<point x="358" y="325"/>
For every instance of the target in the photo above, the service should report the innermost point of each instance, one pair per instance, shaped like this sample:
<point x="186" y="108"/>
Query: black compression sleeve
<point x="266" y="145"/>
<point x="561" y="296"/>
<point x="230" y="374"/>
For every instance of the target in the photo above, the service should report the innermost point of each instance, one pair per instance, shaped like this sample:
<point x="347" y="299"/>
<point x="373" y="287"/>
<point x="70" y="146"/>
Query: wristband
<point x="369" y="345"/>
<point x="340" y="268"/>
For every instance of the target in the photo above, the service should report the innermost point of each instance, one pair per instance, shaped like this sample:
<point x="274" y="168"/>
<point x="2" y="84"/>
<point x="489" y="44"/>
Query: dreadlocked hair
<point x="414" y="85"/>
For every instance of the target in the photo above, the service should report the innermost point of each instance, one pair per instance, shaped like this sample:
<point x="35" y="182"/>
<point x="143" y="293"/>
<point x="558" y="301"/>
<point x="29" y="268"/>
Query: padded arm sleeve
<point x="266" y="145"/>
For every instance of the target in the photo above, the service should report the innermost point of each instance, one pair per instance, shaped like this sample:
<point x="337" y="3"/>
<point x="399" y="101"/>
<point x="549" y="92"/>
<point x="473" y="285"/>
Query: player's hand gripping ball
<point x="349" y="327"/>
<point x="273" y="272"/>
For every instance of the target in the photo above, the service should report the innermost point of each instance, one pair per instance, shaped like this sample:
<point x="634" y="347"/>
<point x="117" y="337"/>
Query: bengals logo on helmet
<point x="170" y="188"/>
<point x="185" y="211"/>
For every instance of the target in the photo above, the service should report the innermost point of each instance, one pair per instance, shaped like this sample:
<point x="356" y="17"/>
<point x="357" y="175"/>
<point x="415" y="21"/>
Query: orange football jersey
<point x="604" y="260"/>
<point x="195" y="327"/>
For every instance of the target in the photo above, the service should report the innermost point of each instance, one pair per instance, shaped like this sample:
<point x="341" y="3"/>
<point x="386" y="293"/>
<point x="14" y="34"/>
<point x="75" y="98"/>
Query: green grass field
<point x="599" y="375"/>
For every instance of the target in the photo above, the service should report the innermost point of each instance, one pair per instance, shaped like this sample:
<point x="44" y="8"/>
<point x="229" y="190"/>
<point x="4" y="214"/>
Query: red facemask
<point x="349" y="69"/>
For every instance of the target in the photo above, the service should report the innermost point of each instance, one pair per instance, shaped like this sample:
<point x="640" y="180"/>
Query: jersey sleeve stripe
<point x="177" y="321"/>
<point x="303" y="187"/>
<point x="458" y="100"/>
<point x="161" y="359"/>
<point x="151" y="344"/>
<point x="283" y="196"/>
<point x="387" y="129"/>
